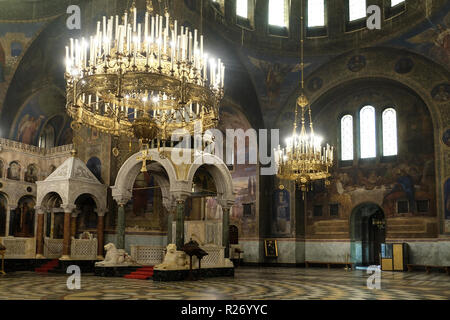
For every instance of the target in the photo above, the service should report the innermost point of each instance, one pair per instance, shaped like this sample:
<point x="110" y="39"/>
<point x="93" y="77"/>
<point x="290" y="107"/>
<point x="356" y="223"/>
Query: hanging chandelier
<point x="143" y="80"/>
<point x="304" y="160"/>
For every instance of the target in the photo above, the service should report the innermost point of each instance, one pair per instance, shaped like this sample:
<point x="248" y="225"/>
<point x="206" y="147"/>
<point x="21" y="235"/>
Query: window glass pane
<point x="390" y="147"/>
<point x="316" y="13"/>
<point x="367" y="132"/>
<point x="357" y="9"/>
<point x="242" y="8"/>
<point x="396" y="2"/>
<point x="278" y="13"/>
<point x="347" y="137"/>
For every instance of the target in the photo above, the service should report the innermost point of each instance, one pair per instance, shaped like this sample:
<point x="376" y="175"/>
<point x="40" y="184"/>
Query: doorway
<point x="368" y="232"/>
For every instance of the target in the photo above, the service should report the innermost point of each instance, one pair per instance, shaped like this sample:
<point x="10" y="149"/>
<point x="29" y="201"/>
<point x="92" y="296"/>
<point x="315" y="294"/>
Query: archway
<point x="145" y="212"/>
<point x="202" y="203"/>
<point x="86" y="219"/>
<point x="22" y="220"/>
<point x="3" y="217"/>
<point x="367" y="232"/>
<point x="54" y="216"/>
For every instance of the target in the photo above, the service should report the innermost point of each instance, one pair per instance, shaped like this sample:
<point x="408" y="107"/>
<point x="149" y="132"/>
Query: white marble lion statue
<point x="114" y="257"/>
<point x="174" y="260"/>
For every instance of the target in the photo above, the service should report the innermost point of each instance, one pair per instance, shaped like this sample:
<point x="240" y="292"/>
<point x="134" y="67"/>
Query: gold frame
<point x="266" y="242"/>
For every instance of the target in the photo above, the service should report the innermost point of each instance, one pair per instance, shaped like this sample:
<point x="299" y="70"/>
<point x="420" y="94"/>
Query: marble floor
<point x="248" y="284"/>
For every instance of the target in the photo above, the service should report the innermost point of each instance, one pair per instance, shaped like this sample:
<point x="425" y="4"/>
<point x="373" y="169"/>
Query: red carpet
<point x="48" y="266"/>
<point x="141" y="274"/>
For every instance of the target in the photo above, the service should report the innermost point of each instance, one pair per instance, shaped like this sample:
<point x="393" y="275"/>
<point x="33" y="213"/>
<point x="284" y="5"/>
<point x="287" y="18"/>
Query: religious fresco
<point x="430" y="38"/>
<point x="274" y="76"/>
<point x="441" y="93"/>
<point x="244" y="213"/>
<point x="14" y="170"/>
<point x="356" y="63"/>
<point x="145" y="212"/>
<point x="14" y="37"/>
<point x="31" y="175"/>
<point x="31" y="119"/>
<point x="446" y="138"/>
<point x="281" y="212"/>
<point x="410" y="177"/>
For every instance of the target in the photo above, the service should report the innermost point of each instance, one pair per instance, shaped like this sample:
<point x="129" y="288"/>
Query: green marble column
<point x="121" y="227"/>
<point x="169" y="227"/>
<point x="226" y="231"/>
<point x="180" y="224"/>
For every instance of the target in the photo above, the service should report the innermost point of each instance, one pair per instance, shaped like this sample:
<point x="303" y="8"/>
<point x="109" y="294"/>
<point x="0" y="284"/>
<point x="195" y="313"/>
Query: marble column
<point x="169" y="226"/>
<point x="67" y="232"/>
<point x="73" y="224"/>
<point x="100" y="234"/>
<point x="226" y="230"/>
<point x="180" y="223"/>
<point x="120" y="230"/>
<point x="40" y="233"/>
<point x="8" y="221"/>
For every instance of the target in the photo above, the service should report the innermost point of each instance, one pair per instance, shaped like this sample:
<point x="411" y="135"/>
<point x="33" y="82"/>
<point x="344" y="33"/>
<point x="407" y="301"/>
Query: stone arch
<point x="360" y="243"/>
<point x="49" y="200"/>
<point x="42" y="200"/>
<point x="122" y="190"/>
<point x="92" y="196"/>
<point x="414" y="80"/>
<point x="219" y="172"/>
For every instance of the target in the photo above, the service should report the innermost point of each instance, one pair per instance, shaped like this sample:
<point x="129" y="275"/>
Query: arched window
<point x="367" y="132"/>
<point x="242" y="8"/>
<point x="396" y="2"/>
<point x="347" y="137"/>
<point x="47" y="137"/>
<point x="390" y="145"/>
<point x="278" y="13"/>
<point x="316" y="13"/>
<point x="357" y="9"/>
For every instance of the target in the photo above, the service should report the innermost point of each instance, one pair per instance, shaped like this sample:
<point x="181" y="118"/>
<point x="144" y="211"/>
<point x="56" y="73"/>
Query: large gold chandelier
<point x="304" y="160"/>
<point x="143" y="80"/>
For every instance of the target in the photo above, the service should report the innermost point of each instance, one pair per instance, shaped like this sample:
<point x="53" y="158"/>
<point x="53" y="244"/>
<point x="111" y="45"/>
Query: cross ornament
<point x="145" y="156"/>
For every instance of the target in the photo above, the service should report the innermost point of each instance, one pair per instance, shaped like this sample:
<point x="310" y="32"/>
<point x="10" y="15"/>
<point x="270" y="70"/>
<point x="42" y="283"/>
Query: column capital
<point x="68" y="208"/>
<point x="39" y="210"/>
<point x="121" y="200"/>
<point x="101" y="212"/>
<point x="226" y="204"/>
<point x="180" y="195"/>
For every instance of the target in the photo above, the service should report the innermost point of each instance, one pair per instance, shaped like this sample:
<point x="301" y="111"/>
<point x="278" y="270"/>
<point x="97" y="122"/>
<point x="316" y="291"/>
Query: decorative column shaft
<point x="121" y="226"/>
<point x="180" y="223"/>
<point x="40" y="234"/>
<point x="100" y="235"/>
<point x="226" y="230"/>
<point x="169" y="226"/>
<point x="8" y="231"/>
<point x="67" y="233"/>
<point x="73" y="225"/>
